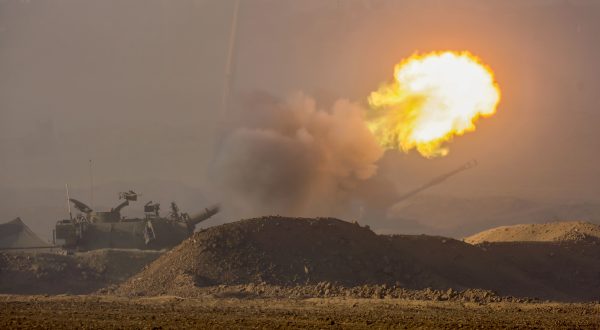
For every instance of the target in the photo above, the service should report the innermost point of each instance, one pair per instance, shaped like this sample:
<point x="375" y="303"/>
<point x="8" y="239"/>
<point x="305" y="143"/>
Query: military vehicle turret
<point x="90" y="230"/>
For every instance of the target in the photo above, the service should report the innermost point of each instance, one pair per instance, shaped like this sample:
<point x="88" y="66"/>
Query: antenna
<point x="227" y="79"/>
<point x="91" y="186"/>
<point x="68" y="202"/>
<point x="229" y="67"/>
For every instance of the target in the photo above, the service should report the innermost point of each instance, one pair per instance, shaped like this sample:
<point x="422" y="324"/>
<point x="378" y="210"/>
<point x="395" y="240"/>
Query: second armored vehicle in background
<point x="90" y="230"/>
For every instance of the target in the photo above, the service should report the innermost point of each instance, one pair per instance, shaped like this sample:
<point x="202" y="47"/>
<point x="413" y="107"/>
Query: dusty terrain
<point x="169" y="312"/>
<point x="275" y="272"/>
<point x="562" y="263"/>
<point x="50" y="273"/>
<point x="564" y="231"/>
<point x="291" y="251"/>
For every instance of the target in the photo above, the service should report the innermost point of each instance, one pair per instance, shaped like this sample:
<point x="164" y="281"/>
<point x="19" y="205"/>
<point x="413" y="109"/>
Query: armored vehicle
<point x="90" y="230"/>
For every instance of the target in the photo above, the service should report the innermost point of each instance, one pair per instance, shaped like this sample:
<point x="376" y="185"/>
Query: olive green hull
<point x="101" y="230"/>
<point x="129" y="235"/>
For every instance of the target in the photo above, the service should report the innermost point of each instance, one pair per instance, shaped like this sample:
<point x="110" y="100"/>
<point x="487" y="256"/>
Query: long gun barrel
<point x="208" y="212"/>
<point x="439" y="179"/>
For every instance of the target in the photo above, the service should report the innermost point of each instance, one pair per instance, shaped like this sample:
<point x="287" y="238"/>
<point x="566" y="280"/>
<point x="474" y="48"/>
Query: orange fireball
<point x="433" y="98"/>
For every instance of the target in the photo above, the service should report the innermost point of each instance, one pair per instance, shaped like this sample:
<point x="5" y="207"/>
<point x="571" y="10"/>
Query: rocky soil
<point x="331" y="290"/>
<point x="279" y="257"/>
<point x="565" y="231"/>
<point x="294" y="252"/>
<point x="277" y="272"/>
<point x="169" y="312"/>
<point x="48" y="273"/>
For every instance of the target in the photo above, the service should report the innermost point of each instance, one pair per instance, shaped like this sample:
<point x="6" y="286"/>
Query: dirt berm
<point x="294" y="251"/>
<point x="86" y="272"/>
<point x="564" y="231"/>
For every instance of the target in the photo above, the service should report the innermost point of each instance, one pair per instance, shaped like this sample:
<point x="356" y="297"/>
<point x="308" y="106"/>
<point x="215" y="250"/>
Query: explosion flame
<point x="433" y="98"/>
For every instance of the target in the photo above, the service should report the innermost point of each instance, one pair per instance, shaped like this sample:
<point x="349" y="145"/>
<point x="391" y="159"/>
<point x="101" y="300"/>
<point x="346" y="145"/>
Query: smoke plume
<point x="291" y="157"/>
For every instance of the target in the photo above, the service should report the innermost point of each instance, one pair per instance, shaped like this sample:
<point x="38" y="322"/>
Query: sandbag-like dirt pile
<point x="567" y="231"/>
<point x="275" y="250"/>
<point x="292" y="252"/>
<point x="48" y="273"/>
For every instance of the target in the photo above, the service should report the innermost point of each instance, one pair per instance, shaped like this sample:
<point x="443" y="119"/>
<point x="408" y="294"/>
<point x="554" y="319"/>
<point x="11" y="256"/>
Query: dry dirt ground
<point x="563" y="231"/>
<point x="86" y="272"/>
<point x="303" y="251"/>
<point x="169" y="312"/>
<point x="276" y="272"/>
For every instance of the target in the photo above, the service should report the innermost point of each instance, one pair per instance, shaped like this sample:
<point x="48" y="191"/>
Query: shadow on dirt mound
<point x="296" y="251"/>
<point x="47" y="273"/>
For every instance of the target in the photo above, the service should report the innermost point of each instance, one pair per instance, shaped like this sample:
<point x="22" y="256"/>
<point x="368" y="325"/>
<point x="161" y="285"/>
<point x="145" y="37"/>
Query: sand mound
<point x="48" y="273"/>
<point x="293" y="252"/>
<point x="547" y="232"/>
<point x="569" y="267"/>
<point x="278" y="256"/>
<point x="274" y="250"/>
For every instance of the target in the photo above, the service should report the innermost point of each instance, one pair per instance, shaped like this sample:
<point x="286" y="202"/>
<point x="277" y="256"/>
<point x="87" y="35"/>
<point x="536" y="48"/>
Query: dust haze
<point x="269" y="132"/>
<point x="291" y="157"/>
<point x="136" y="86"/>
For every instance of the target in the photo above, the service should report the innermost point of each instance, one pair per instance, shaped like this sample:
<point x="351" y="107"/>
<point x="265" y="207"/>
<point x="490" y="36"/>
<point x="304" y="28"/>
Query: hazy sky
<point x="136" y="85"/>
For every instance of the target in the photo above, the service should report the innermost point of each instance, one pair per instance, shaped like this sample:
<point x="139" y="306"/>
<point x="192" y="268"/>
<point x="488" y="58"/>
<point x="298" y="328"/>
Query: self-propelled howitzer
<point x="90" y="230"/>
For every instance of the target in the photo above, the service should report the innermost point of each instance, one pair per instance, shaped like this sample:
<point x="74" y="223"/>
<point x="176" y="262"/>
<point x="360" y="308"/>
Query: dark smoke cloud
<point x="291" y="157"/>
